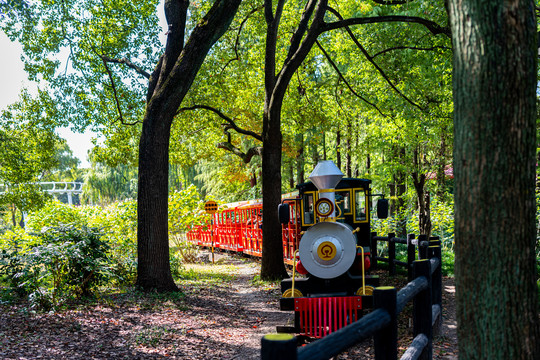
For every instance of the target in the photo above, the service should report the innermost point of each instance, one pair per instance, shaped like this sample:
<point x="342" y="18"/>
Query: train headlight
<point x="328" y="249"/>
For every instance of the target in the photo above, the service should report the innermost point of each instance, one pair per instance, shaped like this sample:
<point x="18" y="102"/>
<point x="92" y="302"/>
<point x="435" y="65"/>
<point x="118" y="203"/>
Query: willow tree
<point x="495" y="81"/>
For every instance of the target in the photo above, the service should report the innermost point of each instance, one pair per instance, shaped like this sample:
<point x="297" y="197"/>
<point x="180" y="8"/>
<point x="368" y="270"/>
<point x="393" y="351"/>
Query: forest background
<point x="375" y="98"/>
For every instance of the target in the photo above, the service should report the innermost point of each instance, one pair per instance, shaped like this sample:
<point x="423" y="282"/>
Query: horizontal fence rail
<point x="425" y="291"/>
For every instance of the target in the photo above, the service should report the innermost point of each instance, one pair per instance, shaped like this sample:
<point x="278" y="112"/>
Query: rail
<point x="422" y="244"/>
<point x="425" y="290"/>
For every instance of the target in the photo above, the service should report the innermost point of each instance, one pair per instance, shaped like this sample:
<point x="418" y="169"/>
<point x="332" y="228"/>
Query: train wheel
<point x="365" y="290"/>
<point x="289" y="293"/>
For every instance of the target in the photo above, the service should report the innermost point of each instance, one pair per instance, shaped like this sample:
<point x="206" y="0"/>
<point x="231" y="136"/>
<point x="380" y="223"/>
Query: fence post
<point x="435" y="240"/>
<point x="385" y="340"/>
<point x="278" y="346"/>
<point x="411" y="256"/>
<point x="422" y="247"/>
<point x="373" y="244"/>
<point x="422" y="308"/>
<point x="391" y="254"/>
<point x="436" y="280"/>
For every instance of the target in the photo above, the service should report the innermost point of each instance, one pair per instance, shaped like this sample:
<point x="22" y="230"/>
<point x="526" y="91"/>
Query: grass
<point x="207" y="275"/>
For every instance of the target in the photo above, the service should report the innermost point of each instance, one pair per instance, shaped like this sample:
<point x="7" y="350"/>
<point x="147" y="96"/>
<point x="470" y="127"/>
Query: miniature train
<point x="326" y="238"/>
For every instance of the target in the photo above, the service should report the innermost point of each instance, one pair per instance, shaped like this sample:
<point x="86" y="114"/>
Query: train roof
<point x="345" y="183"/>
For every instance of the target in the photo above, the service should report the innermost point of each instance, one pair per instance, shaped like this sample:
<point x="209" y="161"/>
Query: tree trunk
<point x="300" y="160"/>
<point x="303" y="39"/>
<point x="153" y="268"/>
<point x="338" y="149"/>
<point x="167" y="87"/>
<point x="348" y="161"/>
<point x="495" y="54"/>
<point x="272" y="266"/>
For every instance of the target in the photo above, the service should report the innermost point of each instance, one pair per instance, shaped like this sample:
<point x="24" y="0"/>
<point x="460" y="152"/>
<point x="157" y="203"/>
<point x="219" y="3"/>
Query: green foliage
<point x="68" y="263"/>
<point x="197" y="276"/>
<point x="186" y="209"/>
<point x="54" y="214"/>
<point x="442" y="217"/>
<point x="119" y="224"/>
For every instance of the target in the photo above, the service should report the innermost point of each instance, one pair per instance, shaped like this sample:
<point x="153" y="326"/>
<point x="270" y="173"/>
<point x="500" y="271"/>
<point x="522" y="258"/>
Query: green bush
<point x="119" y="224"/>
<point x="70" y="262"/>
<point x="53" y="214"/>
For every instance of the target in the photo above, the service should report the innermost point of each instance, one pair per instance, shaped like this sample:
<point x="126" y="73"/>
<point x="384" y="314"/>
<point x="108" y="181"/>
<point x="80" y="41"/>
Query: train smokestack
<point x="326" y="175"/>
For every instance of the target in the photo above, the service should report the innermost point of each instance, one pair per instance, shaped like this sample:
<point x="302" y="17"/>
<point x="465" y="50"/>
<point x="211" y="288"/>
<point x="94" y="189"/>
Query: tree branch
<point x="346" y="82"/>
<point x="237" y="42"/>
<point x="432" y="26"/>
<point x="391" y="2"/>
<point x="176" y="15"/>
<point x="302" y="27"/>
<point x="409" y="48"/>
<point x="370" y="59"/>
<point x="231" y="122"/>
<point x="115" y="94"/>
<point x="128" y="63"/>
<point x="247" y="156"/>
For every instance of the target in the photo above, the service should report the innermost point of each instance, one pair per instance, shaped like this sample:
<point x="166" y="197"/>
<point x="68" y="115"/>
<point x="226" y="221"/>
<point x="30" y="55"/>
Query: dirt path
<point x="212" y="320"/>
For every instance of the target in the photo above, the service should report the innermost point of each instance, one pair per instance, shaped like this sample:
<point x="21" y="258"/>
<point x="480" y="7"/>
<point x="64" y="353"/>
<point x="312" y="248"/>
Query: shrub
<point x="119" y="224"/>
<point x="53" y="214"/>
<point x="68" y="263"/>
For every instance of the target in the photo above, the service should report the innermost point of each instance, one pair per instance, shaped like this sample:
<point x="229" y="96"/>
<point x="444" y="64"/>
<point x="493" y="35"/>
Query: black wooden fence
<point x="425" y="290"/>
<point x="422" y="244"/>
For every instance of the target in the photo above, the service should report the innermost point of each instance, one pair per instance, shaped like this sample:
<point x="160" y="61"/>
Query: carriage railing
<point x="426" y="293"/>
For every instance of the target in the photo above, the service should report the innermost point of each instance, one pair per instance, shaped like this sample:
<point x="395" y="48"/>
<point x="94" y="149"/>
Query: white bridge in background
<point x="57" y="187"/>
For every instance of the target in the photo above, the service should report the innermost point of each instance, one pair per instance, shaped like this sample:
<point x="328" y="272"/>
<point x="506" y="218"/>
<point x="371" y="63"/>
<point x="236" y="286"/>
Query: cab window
<point x="308" y="209"/>
<point x="360" y="206"/>
<point x="343" y="198"/>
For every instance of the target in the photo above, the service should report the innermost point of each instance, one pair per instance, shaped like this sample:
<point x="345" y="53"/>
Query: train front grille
<point x="321" y="316"/>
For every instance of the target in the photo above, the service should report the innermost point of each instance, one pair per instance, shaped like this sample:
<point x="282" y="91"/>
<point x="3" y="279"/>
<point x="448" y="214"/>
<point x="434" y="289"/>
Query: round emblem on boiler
<point x="326" y="251"/>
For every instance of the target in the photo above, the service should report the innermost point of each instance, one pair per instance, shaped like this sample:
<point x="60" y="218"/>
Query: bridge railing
<point x="425" y="290"/>
<point x="58" y="187"/>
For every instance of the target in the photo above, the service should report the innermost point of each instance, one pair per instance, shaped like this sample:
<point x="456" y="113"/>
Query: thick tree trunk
<point x="154" y="269"/>
<point x="272" y="266"/>
<point x="495" y="54"/>
<point x="167" y="87"/>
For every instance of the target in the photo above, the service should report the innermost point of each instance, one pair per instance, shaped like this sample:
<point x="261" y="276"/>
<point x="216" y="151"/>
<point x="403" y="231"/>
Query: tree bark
<point x="302" y="40"/>
<point x="300" y="159"/>
<point x="494" y="82"/>
<point x="167" y="87"/>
